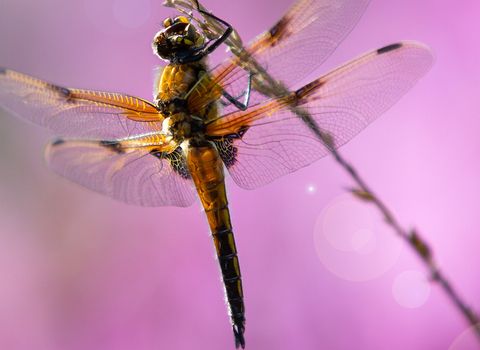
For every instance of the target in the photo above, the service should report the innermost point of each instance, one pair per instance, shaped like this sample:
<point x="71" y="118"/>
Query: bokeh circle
<point x="467" y="340"/>
<point x="121" y="17"/>
<point x="131" y="14"/>
<point x="411" y="289"/>
<point x="353" y="241"/>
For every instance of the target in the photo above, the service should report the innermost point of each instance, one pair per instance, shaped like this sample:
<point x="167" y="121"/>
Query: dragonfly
<point x="239" y="116"/>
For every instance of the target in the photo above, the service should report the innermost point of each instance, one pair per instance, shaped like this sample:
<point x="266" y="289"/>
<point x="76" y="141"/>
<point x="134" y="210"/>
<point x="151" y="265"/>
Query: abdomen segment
<point x="206" y="170"/>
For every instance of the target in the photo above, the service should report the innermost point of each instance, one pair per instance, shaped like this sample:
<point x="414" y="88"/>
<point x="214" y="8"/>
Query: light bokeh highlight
<point x="411" y="289"/>
<point x="468" y="340"/>
<point x="353" y="242"/>
<point x="131" y="15"/>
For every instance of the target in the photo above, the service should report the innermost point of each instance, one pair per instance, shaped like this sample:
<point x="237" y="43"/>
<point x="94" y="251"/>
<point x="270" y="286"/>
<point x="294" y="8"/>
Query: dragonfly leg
<point x="234" y="100"/>
<point x="217" y="42"/>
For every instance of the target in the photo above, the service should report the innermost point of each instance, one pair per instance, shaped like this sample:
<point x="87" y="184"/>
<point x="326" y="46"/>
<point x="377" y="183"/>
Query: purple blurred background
<point x="80" y="271"/>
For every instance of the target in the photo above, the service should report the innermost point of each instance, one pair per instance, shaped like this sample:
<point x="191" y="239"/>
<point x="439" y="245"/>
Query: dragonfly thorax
<point x="173" y="106"/>
<point x="177" y="86"/>
<point x="183" y="126"/>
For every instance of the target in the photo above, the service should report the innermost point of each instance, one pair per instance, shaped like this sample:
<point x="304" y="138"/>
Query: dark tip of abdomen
<point x="389" y="48"/>
<point x="3" y="70"/>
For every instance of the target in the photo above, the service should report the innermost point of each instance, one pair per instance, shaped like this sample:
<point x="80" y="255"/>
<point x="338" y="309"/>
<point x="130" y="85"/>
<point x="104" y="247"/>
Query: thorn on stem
<point x="362" y="194"/>
<point x="419" y="245"/>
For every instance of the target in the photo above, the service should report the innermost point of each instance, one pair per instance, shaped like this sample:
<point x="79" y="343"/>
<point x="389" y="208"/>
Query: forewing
<point x="305" y="37"/>
<point x="295" y="46"/>
<point x="269" y="140"/>
<point x="76" y="113"/>
<point x="138" y="176"/>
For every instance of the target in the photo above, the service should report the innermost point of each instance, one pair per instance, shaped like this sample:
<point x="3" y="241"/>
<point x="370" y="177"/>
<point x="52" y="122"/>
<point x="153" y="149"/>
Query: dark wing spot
<point x="278" y="32"/>
<point x="242" y="131"/>
<point x="389" y="48"/>
<point x="159" y="155"/>
<point x="177" y="161"/>
<point x="58" y="142"/>
<point x="282" y="23"/>
<point x="301" y="96"/>
<point x="274" y="29"/>
<point x="113" y="145"/>
<point x="109" y="143"/>
<point x="228" y="152"/>
<point x="65" y="91"/>
<point x="236" y="135"/>
<point x="239" y="134"/>
<point x="3" y="70"/>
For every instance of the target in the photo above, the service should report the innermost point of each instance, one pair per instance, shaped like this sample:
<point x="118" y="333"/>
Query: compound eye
<point x="167" y="22"/>
<point x="182" y="19"/>
<point x="190" y="30"/>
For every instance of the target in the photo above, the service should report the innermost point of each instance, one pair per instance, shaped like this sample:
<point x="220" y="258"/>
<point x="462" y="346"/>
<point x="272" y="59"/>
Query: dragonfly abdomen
<point x="206" y="170"/>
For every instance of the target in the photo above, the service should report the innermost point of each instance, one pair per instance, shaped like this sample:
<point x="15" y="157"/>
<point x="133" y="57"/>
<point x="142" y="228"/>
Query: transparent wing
<point x="295" y="46"/>
<point x="76" y="113"/>
<point x="139" y="176"/>
<point x="305" y="37"/>
<point x="269" y="140"/>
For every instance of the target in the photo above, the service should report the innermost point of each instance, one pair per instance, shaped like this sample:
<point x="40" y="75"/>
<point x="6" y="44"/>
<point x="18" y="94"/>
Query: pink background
<point x="80" y="271"/>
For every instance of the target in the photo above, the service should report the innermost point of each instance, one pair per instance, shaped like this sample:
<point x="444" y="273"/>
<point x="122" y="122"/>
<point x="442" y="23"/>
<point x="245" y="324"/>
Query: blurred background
<point x="78" y="270"/>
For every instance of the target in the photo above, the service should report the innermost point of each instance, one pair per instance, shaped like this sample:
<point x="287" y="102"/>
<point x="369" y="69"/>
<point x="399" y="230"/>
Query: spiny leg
<point x="234" y="100"/>
<point x="208" y="50"/>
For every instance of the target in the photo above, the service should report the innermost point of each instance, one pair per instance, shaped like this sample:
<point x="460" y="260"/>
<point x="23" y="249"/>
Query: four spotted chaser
<point x="239" y="115"/>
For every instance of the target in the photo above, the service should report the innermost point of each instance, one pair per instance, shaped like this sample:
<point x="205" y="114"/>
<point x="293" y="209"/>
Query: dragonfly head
<point x="178" y="39"/>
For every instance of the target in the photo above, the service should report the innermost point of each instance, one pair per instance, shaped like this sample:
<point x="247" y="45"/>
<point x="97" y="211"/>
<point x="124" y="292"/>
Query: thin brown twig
<point x="420" y="246"/>
<point x="277" y="90"/>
